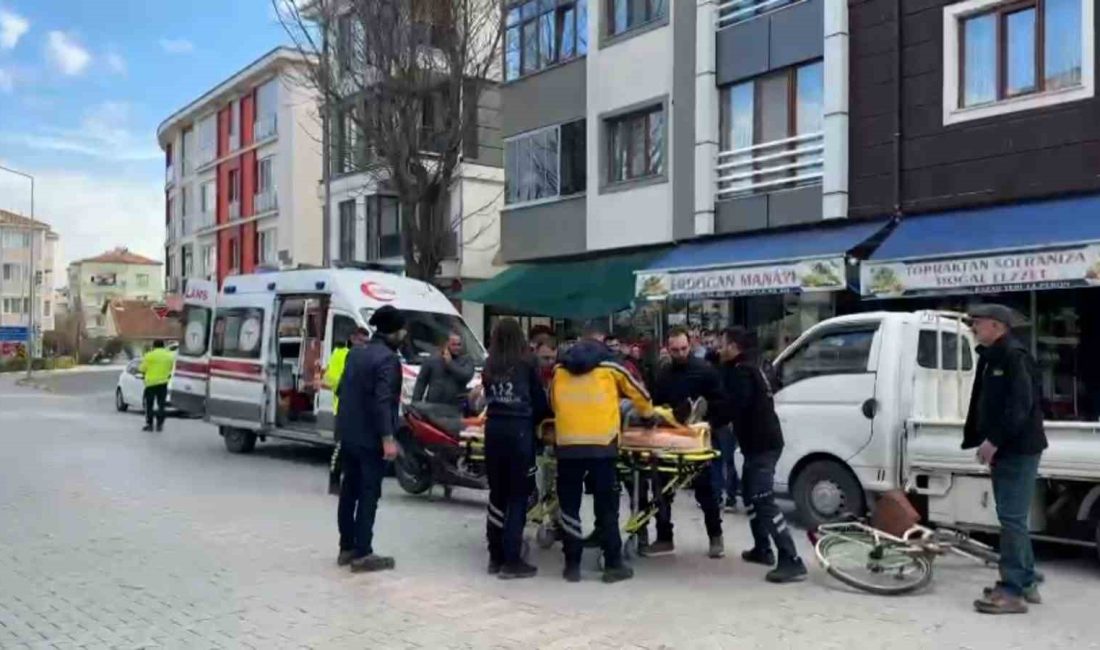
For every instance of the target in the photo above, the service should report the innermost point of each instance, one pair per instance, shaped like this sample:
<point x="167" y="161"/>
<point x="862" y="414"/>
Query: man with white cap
<point x="1005" y="424"/>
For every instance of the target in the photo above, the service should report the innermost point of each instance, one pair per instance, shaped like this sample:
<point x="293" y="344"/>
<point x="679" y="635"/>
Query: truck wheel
<point x="824" y="491"/>
<point x="120" y="403"/>
<point x="238" y="441"/>
<point x="413" y="474"/>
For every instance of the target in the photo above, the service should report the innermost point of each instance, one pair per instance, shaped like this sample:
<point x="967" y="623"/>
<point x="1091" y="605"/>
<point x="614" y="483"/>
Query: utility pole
<point x="32" y="275"/>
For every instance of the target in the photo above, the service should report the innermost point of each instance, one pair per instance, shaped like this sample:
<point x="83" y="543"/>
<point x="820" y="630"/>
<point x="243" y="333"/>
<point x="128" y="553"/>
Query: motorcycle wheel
<point x="413" y="474"/>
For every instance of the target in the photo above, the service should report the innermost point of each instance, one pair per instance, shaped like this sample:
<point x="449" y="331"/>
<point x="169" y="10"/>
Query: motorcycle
<point x="440" y="447"/>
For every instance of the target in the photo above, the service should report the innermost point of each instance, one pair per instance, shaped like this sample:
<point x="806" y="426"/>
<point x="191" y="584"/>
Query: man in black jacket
<point x="443" y="379"/>
<point x="1005" y="423"/>
<point x="686" y="378"/>
<point x="369" y="392"/>
<point x="749" y="407"/>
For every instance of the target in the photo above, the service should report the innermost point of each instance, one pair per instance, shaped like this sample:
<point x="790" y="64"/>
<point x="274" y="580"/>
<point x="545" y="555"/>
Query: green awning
<point x="587" y="288"/>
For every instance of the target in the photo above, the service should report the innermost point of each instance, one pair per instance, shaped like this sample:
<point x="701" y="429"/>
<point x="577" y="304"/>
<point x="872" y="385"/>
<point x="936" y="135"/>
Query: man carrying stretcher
<point x="584" y="394"/>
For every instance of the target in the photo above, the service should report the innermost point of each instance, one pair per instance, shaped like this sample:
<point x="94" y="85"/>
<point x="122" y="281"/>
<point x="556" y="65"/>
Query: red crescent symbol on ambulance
<point x="377" y="291"/>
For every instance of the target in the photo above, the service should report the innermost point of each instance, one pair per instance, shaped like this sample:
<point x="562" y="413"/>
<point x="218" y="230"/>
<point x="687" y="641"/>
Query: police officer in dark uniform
<point x="515" y="403"/>
<point x="369" y="393"/>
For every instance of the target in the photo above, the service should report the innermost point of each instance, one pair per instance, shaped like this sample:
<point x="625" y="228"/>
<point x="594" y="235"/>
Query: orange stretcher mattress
<point x="689" y="439"/>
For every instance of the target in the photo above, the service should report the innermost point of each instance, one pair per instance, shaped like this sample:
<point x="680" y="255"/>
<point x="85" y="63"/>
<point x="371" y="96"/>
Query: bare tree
<point x="400" y="81"/>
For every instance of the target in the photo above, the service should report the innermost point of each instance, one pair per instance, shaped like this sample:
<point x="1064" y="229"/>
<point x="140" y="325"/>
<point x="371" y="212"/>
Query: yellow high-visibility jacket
<point x="157" y="365"/>
<point x="585" y="393"/>
<point x="334" y="373"/>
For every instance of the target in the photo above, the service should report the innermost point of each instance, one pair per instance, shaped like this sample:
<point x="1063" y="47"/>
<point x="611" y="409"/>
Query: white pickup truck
<point x="876" y="401"/>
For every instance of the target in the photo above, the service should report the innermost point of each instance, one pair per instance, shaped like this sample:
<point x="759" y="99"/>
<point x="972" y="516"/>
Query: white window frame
<point x="263" y="237"/>
<point x="530" y="134"/>
<point x="953" y="15"/>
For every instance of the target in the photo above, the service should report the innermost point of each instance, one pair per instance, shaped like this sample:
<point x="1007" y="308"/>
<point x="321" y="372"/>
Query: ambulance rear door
<point x="241" y="381"/>
<point x="190" y="377"/>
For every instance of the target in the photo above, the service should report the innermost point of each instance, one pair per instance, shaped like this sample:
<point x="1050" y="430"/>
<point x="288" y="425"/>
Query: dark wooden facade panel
<point x="1013" y="157"/>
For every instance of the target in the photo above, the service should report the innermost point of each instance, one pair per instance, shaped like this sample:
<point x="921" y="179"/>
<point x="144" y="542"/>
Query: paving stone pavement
<point x="110" y="537"/>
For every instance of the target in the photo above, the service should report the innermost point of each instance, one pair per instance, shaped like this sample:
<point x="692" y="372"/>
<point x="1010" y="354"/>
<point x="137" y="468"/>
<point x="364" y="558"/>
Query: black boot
<point x="788" y="570"/>
<point x="759" y="556"/>
<point x="370" y="563"/>
<point x="345" y="558"/>
<point x="520" y="569"/>
<point x="612" y="575"/>
<point x="572" y="573"/>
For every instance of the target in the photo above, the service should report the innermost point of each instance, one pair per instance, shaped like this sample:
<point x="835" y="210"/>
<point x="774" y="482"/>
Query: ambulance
<point x="253" y="354"/>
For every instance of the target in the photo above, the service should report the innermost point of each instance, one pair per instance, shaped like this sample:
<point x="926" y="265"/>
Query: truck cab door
<point x="191" y="375"/>
<point x="340" y="327"/>
<point x="826" y="400"/>
<point x="240" y="381"/>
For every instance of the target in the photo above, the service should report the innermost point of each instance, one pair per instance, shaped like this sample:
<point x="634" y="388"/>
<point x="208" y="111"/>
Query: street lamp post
<point x="32" y="275"/>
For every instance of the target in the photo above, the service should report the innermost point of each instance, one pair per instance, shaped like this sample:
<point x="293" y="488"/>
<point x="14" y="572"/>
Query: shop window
<point x="546" y="164"/>
<point x="636" y="145"/>
<point x="836" y="352"/>
<point x="1004" y="56"/>
<point x="541" y="33"/>
<point x="926" y="351"/>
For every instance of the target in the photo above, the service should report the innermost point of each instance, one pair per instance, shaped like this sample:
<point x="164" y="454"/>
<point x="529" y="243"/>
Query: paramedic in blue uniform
<point x="369" y="393"/>
<point x="515" y="403"/>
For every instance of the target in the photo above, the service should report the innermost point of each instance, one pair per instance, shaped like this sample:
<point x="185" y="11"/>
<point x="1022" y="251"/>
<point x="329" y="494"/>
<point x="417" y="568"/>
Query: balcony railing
<point x="235" y="210"/>
<point x="265" y="127"/>
<point x="266" y="201"/>
<point x="731" y="12"/>
<point x="170" y="175"/>
<point x="771" y="165"/>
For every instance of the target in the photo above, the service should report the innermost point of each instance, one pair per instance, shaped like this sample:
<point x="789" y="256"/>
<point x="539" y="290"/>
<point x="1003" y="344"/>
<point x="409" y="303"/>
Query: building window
<point x="13" y="273"/>
<point x="383" y="227"/>
<point x="208" y="139"/>
<point x="264" y="125"/>
<point x="348" y="141"/>
<point x="731" y="13"/>
<point x="15" y="239"/>
<point x="636" y="145"/>
<point x="188" y="262"/>
<point x="46" y="309"/>
<point x="540" y="33"/>
<point x="771" y="131"/>
<point x="206" y="200"/>
<point x="142" y="280"/>
<point x="187" y="150"/>
<point x="234" y="193"/>
<point x="234" y="131"/>
<point x="263" y="175"/>
<point x="1002" y="57"/>
<point x="209" y="262"/>
<point x="234" y="254"/>
<point x="626" y="15"/>
<point x="347" y="230"/>
<point x="265" y="246"/>
<point x="344" y="42"/>
<point x="545" y="164"/>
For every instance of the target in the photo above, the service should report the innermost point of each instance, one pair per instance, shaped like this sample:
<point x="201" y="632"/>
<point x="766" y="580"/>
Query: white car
<point x="130" y="390"/>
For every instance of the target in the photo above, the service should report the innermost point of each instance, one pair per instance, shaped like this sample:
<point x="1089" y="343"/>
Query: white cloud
<point x="7" y="81"/>
<point x="104" y="133"/>
<point x="115" y="63"/>
<point x="92" y="212"/>
<point x="12" y="28"/>
<point x="66" y="54"/>
<point x="177" y="45"/>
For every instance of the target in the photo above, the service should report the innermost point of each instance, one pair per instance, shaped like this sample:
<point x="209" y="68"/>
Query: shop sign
<point x="1077" y="266"/>
<point x="808" y="275"/>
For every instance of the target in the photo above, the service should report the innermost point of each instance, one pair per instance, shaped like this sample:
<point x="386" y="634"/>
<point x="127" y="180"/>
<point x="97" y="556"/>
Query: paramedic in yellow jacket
<point x="333" y="374"/>
<point x="584" y="393"/>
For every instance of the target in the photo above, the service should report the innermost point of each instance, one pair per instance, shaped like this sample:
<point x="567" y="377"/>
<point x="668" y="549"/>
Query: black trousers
<point x="766" y="521"/>
<point x="155" y="395"/>
<point x="605" y="490"/>
<point x="359" y="494"/>
<point x="706" y="494"/>
<point x="510" y="465"/>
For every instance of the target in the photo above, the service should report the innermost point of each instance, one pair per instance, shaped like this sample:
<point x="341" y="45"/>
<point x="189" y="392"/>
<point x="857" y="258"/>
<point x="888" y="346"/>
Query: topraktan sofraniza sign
<point x="1077" y="266"/>
<point x="809" y="275"/>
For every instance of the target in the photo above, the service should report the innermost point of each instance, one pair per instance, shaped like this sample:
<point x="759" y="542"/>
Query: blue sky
<point x="83" y="86"/>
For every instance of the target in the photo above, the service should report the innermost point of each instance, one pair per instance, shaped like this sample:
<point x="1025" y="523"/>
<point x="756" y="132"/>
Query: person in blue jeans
<point x="1005" y="424"/>
<point x="725" y="475"/>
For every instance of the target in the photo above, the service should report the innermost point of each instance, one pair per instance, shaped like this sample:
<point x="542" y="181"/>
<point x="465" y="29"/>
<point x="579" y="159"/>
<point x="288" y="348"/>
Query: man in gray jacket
<point x="443" y="379"/>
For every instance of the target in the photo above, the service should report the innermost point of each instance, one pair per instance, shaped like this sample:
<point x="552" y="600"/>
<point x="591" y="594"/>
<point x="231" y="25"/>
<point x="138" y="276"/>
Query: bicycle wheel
<point x="882" y="569"/>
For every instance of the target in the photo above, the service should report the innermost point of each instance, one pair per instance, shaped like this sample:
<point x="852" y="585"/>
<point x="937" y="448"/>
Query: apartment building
<point x="115" y="274"/>
<point x="364" y="213"/>
<point x="17" y="235"/>
<point x="690" y="143"/>
<point x="242" y="163"/>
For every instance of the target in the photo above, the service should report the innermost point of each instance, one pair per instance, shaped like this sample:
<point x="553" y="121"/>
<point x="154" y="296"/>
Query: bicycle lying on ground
<point x="877" y="562"/>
